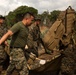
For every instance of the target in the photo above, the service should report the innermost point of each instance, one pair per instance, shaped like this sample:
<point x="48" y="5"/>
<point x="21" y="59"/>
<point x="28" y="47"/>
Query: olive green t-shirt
<point x="20" y="34"/>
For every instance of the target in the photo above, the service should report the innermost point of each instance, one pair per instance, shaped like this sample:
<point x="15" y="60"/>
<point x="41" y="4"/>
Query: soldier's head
<point x="28" y="18"/>
<point x="2" y="19"/>
<point x="37" y="21"/>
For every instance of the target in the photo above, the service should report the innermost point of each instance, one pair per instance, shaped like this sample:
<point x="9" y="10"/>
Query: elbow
<point x="9" y="33"/>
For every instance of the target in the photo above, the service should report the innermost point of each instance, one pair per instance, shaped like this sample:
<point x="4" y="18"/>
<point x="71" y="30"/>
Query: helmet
<point x="37" y="18"/>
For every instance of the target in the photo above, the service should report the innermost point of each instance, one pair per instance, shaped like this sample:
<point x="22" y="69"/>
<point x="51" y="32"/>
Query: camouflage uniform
<point x="18" y="62"/>
<point x="17" y="59"/>
<point x="3" y="54"/>
<point x="34" y="39"/>
<point x="68" y="66"/>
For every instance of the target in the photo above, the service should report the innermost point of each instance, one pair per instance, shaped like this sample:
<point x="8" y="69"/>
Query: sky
<point x="41" y="5"/>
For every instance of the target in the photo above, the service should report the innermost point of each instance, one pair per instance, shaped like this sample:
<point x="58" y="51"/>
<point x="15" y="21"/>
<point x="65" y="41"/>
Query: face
<point x="30" y="20"/>
<point x="1" y="21"/>
<point x="38" y="22"/>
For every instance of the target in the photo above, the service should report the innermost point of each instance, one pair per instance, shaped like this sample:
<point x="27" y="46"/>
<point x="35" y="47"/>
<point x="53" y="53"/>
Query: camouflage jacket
<point x="2" y="30"/>
<point x="34" y="31"/>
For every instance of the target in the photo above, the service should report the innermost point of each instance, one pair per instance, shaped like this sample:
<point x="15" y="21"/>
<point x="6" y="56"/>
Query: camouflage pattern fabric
<point x="34" y="34"/>
<point x="17" y="62"/>
<point x="2" y="30"/>
<point x="3" y="55"/>
<point x="68" y="66"/>
<point x="34" y="38"/>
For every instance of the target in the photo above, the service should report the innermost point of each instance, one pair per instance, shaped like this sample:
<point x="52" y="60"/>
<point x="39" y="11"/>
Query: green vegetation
<point x="17" y="14"/>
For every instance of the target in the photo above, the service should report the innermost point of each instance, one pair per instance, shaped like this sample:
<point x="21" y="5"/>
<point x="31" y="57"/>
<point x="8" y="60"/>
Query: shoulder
<point x="18" y="24"/>
<point x="16" y="27"/>
<point x="33" y="25"/>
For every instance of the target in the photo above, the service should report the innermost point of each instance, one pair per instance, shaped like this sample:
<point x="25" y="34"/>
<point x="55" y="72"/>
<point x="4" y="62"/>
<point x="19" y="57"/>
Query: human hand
<point x="6" y="43"/>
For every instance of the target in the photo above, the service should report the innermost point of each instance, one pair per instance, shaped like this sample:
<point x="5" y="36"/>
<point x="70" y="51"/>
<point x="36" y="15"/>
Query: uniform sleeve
<point x="15" y="28"/>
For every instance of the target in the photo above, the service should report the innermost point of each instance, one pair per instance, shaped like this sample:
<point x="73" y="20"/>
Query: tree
<point x="45" y="17"/>
<point x="53" y="15"/>
<point x="18" y="13"/>
<point x="10" y="18"/>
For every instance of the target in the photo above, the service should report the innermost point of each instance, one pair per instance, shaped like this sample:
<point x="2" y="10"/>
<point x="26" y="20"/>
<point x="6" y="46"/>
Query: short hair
<point x="28" y="15"/>
<point x="37" y="19"/>
<point x="2" y="17"/>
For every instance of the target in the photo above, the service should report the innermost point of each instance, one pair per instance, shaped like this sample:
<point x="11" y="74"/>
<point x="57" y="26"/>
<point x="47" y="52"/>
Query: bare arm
<point x="8" y="34"/>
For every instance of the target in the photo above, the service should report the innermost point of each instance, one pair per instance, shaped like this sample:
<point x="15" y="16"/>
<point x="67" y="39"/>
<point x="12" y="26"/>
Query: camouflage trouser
<point x="18" y="62"/>
<point x="68" y="66"/>
<point x="3" y="55"/>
